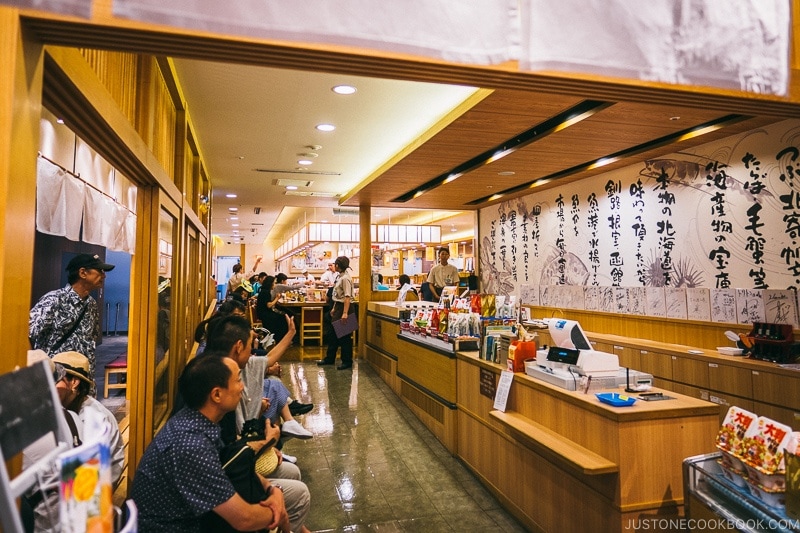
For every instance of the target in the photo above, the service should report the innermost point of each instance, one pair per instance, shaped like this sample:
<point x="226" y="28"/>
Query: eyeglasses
<point x="59" y="373"/>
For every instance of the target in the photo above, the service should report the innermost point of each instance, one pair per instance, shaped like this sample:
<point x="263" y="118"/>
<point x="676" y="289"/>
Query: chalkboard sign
<point x="27" y="409"/>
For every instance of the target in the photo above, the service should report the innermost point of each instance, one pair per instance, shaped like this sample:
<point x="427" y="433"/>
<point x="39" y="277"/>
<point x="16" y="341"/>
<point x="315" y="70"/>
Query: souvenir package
<point x="475" y="303"/>
<point x="730" y="440"/>
<point x="763" y="449"/>
<point x="488" y="305"/>
<point x="444" y="317"/>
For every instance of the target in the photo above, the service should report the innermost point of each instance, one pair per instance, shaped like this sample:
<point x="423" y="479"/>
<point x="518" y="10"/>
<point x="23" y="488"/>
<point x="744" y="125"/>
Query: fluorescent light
<point x="230" y="195"/>
<point x="305" y="162"/>
<point x="235" y="225"/>
<point x="326" y="127"/>
<point x="291" y="187"/>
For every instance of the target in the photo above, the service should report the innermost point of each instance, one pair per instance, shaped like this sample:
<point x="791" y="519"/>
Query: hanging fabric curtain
<point x="477" y="31"/>
<point x="59" y="201"/>
<point x="736" y="44"/>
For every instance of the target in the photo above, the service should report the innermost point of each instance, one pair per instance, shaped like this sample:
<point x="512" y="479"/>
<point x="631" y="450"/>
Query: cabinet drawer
<point x="730" y="379"/>
<point x="777" y="389"/>
<point x="789" y="417"/>
<point x="658" y="364"/>
<point x="688" y="370"/>
<point x="628" y="357"/>
<point x="725" y="401"/>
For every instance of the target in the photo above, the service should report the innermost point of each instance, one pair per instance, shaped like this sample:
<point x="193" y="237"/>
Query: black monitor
<point x="566" y="356"/>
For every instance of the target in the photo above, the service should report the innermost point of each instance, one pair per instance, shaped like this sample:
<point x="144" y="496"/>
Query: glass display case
<point x="713" y="499"/>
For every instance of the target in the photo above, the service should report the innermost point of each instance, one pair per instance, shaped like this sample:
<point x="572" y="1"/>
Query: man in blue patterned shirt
<point x="180" y="477"/>
<point x="67" y="319"/>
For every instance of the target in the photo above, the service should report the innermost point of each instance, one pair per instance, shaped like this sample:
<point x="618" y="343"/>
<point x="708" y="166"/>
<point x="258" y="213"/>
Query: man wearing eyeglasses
<point x="67" y="319"/>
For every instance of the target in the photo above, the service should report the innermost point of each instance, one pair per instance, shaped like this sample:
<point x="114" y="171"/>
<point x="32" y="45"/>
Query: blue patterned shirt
<point x="180" y="476"/>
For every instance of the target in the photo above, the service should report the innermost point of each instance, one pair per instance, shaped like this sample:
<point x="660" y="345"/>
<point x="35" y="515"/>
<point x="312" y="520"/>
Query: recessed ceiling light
<point x="241" y="157"/>
<point x="305" y="162"/>
<point x="306" y="155"/>
<point x="291" y="187"/>
<point x="59" y="121"/>
<point x="326" y="127"/>
<point x="230" y="196"/>
<point x="234" y="218"/>
<point x="506" y="173"/>
<point x="674" y="118"/>
<point x="344" y="89"/>
<point x="314" y="146"/>
<point x="233" y="209"/>
<point x="235" y="225"/>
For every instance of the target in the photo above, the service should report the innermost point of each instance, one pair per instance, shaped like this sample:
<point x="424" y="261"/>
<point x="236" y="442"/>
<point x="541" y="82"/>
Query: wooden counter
<point x="422" y="375"/>
<point x="558" y="460"/>
<point x="557" y="449"/>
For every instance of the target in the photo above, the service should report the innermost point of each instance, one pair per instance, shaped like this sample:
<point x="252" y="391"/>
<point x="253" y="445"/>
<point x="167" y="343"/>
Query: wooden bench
<point x="119" y="367"/>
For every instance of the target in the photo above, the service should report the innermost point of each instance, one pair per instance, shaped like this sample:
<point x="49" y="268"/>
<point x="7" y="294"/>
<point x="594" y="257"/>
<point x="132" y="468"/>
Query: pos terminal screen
<point x="567" y="356"/>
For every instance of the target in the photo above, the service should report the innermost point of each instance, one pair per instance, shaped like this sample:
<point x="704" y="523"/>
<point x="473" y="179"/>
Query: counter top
<point x="680" y="406"/>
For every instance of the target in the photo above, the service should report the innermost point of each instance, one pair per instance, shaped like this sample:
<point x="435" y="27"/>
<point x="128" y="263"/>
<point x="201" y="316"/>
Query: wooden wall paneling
<point x="723" y="400"/>
<point x="118" y="72"/>
<point x="707" y="335"/>
<point x="428" y="369"/>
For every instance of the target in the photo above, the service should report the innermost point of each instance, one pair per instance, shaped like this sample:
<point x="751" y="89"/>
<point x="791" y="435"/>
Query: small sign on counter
<point x="488" y="385"/>
<point x="501" y="398"/>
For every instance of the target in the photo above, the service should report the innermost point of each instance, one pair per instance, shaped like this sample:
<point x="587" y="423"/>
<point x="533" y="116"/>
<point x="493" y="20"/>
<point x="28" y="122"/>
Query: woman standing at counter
<point x="342" y="296"/>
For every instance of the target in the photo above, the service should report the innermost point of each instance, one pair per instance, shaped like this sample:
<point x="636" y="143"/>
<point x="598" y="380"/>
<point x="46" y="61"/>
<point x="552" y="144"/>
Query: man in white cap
<point x="67" y="318"/>
<point x="330" y="275"/>
<point x="73" y="391"/>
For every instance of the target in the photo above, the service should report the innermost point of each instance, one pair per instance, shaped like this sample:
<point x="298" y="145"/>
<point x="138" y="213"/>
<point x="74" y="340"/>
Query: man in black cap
<point x="67" y="319"/>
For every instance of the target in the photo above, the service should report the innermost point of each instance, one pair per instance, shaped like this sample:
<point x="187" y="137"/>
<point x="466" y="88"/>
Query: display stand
<point x="30" y="411"/>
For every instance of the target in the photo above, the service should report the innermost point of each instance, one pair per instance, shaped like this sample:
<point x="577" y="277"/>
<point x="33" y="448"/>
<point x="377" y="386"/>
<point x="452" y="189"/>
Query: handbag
<point x="238" y="461"/>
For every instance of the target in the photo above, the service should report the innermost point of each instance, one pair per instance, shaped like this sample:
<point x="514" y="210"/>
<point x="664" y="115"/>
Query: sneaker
<point x="297" y="408"/>
<point x="289" y="458"/>
<point x="292" y="428"/>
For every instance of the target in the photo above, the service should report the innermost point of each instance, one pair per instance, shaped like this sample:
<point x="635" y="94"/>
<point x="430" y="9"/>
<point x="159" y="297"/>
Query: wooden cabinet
<point x="730" y="379"/>
<point x="655" y="363"/>
<point x="689" y="370"/>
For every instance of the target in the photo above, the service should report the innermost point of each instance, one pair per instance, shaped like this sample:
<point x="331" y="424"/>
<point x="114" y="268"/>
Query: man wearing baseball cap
<point x="68" y="319"/>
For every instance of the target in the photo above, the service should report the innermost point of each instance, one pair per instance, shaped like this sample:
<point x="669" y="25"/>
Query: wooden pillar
<point x="20" y="111"/>
<point x="364" y="271"/>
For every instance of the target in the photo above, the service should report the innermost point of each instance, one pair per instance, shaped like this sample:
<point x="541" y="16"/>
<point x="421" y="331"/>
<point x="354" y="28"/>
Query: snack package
<point x="488" y="305"/>
<point x="763" y="449"/>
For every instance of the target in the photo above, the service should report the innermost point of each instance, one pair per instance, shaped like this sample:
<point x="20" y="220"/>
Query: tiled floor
<point x="372" y="466"/>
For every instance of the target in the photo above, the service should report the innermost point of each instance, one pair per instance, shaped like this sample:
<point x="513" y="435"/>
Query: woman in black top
<point x="268" y="312"/>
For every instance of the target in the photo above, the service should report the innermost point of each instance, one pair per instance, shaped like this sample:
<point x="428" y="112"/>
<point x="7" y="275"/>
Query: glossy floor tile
<point x="372" y="466"/>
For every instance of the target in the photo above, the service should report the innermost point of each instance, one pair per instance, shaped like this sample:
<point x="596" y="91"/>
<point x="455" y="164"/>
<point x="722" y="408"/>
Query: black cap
<point x="88" y="261"/>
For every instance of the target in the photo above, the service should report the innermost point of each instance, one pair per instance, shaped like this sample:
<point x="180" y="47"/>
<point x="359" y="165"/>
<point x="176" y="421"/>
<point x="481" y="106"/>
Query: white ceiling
<point x="247" y="118"/>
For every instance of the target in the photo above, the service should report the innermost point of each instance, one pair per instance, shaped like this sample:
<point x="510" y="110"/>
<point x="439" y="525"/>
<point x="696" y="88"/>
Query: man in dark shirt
<point x="180" y="476"/>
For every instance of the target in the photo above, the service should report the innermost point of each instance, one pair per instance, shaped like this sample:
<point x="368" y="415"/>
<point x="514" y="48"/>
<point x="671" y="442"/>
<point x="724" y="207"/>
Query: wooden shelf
<point x="550" y="444"/>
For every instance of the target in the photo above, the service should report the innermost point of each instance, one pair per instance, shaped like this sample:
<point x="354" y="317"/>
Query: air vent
<point x="297" y="183"/>
<point x="340" y="211"/>
<point x="297" y="171"/>
<point x="256" y="210"/>
<point x="314" y="194"/>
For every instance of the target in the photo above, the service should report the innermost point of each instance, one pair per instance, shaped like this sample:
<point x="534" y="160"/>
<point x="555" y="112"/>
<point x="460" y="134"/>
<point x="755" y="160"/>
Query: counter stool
<point x="311" y="324"/>
<point x="119" y="367"/>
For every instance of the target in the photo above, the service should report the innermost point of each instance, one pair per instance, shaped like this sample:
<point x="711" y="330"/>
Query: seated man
<point x="180" y="477"/>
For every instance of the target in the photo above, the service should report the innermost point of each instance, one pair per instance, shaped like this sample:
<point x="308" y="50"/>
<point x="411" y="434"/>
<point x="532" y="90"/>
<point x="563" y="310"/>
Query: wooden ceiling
<point x="504" y="114"/>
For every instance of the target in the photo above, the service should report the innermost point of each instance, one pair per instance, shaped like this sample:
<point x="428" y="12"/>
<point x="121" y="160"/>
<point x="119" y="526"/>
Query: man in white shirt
<point x="442" y="275"/>
<point x="330" y="275"/>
